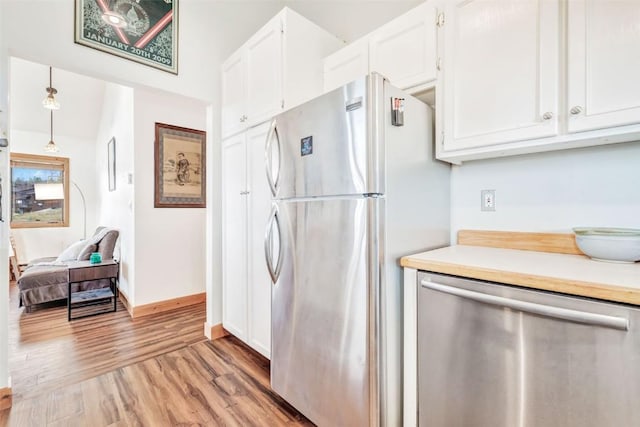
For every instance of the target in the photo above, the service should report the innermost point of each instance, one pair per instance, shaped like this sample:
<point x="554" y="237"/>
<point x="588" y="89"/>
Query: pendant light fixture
<point x="51" y="147"/>
<point x="50" y="101"/>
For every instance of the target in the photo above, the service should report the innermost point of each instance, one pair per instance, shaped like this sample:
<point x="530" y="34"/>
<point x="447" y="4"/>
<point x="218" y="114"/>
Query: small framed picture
<point x="111" y="163"/>
<point x="180" y="174"/>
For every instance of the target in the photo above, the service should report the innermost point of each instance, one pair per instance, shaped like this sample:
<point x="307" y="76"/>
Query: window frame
<point x="18" y="159"/>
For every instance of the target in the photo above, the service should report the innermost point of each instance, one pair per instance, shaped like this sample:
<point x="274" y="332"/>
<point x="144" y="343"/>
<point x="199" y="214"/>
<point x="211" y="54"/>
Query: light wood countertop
<point x="566" y="273"/>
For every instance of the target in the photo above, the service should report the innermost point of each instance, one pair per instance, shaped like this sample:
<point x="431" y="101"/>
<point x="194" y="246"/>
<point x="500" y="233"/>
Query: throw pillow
<point x="72" y="252"/>
<point x="86" y="252"/>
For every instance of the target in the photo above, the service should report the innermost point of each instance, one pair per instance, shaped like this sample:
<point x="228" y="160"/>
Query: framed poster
<point x="111" y="163"/>
<point x="145" y="31"/>
<point x="179" y="167"/>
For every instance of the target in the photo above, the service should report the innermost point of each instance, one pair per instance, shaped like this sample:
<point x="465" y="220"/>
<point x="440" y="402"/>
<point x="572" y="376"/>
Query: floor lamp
<point x="84" y="211"/>
<point x="55" y="191"/>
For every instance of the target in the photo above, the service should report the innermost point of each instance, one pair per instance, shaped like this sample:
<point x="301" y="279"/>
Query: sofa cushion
<point x="108" y="244"/>
<point x="86" y="252"/>
<point x="72" y="252"/>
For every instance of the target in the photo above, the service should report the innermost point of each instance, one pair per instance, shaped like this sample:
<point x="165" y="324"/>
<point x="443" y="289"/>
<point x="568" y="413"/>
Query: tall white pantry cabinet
<point x="246" y="201"/>
<point x="279" y="67"/>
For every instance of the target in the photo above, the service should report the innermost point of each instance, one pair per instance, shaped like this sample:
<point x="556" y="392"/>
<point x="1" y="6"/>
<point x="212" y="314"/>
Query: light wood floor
<point x="46" y="351"/>
<point x="160" y="370"/>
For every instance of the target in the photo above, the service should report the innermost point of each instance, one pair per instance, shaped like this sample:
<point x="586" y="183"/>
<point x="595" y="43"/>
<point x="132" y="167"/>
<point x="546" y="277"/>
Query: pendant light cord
<point x="51" y="92"/>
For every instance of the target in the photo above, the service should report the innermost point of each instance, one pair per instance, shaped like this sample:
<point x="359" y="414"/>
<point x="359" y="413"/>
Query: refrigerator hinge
<point x="440" y="20"/>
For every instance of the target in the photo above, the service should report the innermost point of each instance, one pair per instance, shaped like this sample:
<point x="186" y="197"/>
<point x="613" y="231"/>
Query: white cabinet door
<point x="604" y="64"/>
<point x="234" y="229"/>
<point x="246" y="202"/>
<point x="405" y="50"/>
<point x="259" y="284"/>
<point x="500" y="71"/>
<point x="346" y="65"/>
<point x="264" y="73"/>
<point x="233" y="95"/>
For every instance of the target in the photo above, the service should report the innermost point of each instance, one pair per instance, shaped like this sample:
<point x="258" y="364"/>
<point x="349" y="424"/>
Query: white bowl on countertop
<point x="609" y="244"/>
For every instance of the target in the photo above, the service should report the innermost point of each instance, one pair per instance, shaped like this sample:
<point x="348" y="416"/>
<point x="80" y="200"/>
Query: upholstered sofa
<point x="46" y="280"/>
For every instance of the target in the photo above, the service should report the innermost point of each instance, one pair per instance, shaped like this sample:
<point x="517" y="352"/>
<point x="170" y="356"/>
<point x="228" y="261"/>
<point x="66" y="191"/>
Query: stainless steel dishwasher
<point x="501" y="356"/>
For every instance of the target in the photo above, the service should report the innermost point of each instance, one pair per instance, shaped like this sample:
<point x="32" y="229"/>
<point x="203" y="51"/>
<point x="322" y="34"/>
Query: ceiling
<point x="80" y="98"/>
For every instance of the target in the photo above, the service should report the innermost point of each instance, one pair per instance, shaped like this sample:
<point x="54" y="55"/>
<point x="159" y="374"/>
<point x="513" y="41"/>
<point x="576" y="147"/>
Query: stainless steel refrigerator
<point x="355" y="186"/>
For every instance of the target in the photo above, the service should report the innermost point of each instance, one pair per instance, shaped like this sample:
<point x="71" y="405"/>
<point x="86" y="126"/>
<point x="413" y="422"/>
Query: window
<point x="39" y="191"/>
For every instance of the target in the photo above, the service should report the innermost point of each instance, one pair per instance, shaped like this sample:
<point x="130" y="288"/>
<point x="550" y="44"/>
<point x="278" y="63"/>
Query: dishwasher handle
<point x="614" y="322"/>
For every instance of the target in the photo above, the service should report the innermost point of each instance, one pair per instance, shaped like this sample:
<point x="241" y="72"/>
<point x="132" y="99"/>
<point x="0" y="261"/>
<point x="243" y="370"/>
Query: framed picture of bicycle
<point x="180" y="175"/>
<point x="144" y="31"/>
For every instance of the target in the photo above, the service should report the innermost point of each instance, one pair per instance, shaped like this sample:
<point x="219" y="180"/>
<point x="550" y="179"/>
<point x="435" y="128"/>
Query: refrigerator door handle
<point x="268" y="246"/>
<point x="273" y="131"/>
<point x="595" y="319"/>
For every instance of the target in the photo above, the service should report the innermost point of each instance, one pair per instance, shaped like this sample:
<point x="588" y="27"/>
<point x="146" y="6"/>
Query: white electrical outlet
<point x="488" y="200"/>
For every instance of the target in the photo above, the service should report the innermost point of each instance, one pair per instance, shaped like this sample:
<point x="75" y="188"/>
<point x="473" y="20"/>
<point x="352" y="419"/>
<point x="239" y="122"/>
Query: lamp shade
<point x="49" y="191"/>
<point x="50" y="102"/>
<point x="51" y="147"/>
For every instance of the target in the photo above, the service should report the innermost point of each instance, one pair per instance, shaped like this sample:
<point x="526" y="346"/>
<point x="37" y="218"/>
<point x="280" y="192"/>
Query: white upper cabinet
<point x="604" y="64"/>
<point x="404" y="50"/>
<point x="233" y="95"/>
<point x="511" y="85"/>
<point x="279" y="67"/>
<point x="500" y="72"/>
<point x="347" y="64"/>
<point x="264" y="73"/>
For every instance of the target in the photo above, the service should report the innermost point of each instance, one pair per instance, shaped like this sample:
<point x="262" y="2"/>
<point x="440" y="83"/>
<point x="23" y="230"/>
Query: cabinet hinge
<point x="440" y="20"/>
<point x="442" y="139"/>
<point x="439" y="64"/>
<point x="281" y="27"/>
<point x="282" y="104"/>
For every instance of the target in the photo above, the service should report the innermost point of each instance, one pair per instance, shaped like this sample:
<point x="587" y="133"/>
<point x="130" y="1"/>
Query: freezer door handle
<point x="577" y="316"/>
<point x="268" y="157"/>
<point x="268" y="245"/>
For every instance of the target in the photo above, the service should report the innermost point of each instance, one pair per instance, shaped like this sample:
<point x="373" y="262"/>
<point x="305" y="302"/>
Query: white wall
<point x="115" y="208"/>
<point x="213" y="220"/>
<point x="598" y="186"/>
<point x="4" y="227"/>
<point x="50" y="241"/>
<point x="170" y="242"/>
